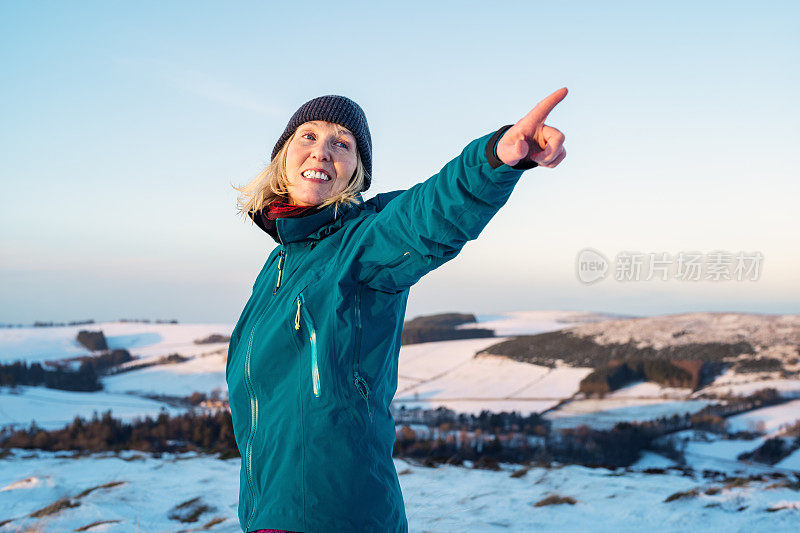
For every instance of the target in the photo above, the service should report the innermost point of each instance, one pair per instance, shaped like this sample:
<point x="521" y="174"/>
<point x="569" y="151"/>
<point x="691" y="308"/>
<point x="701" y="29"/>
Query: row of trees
<point x="617" y="374"/>
<point x="51" y="324"/>
<point x="42" y="324"/>
<point x="213" y="433"/>
<point x="487" y="421"/>
<point x="771" y="451"/>
<point x="488" y="437"/>
<point x="207" y="432"/>
<point x="84" y="379"/>
<point x="577" y="350"/>
<point x="104" y="362"/>
<point x="441" y="327"/>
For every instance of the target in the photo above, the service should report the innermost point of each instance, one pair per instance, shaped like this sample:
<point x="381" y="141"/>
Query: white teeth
<point x="316" y="175"/>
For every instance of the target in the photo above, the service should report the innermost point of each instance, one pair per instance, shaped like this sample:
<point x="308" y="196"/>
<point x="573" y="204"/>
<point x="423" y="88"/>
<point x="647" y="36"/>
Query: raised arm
<point x="425" y="226"/>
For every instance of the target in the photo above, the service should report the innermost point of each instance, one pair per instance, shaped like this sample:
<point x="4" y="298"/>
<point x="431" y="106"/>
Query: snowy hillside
<point x="431" y="375"/>
<point x="134" y="492"/>
<point x="52" y="409"/>
<point x="144" y="339"/>
<point x="448" y="374"/>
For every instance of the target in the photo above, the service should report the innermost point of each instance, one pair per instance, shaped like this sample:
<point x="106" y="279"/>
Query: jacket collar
<point x="314" y="226"/>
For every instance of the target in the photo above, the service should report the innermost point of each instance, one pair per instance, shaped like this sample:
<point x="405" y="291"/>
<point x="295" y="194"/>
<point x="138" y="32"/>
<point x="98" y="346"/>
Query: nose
<point x="320" y="152"/>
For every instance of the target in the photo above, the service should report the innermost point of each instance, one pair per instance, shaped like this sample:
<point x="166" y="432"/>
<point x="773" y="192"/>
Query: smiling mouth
<point x="315" y="175"/>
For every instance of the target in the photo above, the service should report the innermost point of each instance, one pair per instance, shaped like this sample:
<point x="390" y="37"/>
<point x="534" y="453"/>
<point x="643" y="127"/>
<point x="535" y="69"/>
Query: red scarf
<point x="266" y="218"/>
<point x="277" y="209"/>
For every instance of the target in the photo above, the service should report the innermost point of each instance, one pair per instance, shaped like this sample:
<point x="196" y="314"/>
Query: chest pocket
<point x="397" y="273"/>
<point x="310" y="336"/>
<point x="305" y="328"/>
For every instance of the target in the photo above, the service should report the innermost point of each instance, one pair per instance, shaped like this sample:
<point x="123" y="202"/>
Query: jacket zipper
<point x="312" y="334"/>
<point x="358" y="380"/>
<point x="398" y="260"/>
<point x="280" y="270"/>
<point x="253" y="422"/>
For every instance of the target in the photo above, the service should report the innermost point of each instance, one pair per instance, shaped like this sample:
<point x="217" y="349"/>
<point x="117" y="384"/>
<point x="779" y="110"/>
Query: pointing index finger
<point x="543" y="108"/>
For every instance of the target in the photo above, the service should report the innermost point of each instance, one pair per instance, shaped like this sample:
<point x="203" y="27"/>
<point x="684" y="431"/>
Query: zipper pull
<point x="280" y="271"/>
<point x="297" y="316"/>
<point x="363" y="389"/>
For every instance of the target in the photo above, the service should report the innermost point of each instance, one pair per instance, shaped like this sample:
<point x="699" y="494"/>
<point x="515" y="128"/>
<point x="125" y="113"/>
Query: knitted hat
<point x="340" y="110"/>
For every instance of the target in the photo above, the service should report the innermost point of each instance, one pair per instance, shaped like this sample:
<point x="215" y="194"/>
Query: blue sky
<point x="124" y="125"/>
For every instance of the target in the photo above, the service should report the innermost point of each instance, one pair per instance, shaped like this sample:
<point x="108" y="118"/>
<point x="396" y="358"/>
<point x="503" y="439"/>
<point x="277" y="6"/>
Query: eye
<point x="307" y="135"/>
<point x="343" y="144"/>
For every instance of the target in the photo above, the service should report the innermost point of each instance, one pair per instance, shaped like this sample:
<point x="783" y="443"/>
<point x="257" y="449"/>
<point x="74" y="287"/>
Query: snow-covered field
<point x="53" y="409"/>
<point x="123" y="393"/>
<point x="448" y="374"/>
<point x="448" y="498"/>
<point x="729" y="382"/>
<point x="430" y="375"/>
<point x="767" y="419"/>
<point x="204" y="373"/>
<point x="532" y="322"/>
<point x="604" y="414"/>
<point x="50" y="343"/>
<point x="133" y="492"/>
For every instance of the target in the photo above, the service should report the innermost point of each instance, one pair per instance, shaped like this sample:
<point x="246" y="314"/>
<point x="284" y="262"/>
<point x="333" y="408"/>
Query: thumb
<point x="520" y="148"/>
<point x="511" y="150"/>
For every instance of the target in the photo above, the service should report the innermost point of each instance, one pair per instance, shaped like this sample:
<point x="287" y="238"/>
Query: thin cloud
<point x="204" y="85"/>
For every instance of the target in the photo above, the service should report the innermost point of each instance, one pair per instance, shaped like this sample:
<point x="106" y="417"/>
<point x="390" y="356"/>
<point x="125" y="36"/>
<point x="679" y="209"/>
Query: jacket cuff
<point x="491" y="152"/>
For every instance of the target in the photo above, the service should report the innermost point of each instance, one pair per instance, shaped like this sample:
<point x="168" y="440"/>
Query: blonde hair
<point x="272" y="184"/>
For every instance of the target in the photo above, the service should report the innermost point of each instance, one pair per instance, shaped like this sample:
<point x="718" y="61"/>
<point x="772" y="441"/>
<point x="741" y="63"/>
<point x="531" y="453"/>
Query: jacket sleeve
<point x="428" y="224"/>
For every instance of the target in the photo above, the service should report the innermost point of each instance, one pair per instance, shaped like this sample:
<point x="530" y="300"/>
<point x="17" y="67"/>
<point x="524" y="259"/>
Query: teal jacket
<point x="312" y="361"/>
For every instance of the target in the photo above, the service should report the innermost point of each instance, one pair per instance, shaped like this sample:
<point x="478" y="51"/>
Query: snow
<point x="448" y="374"/>
<point x="39" y="344"/>
<point x="50" y="343"/>
<point x="429" y="359"/>
<point x="770" y="418"/>
<point x="792" y="462"/>
<point x="651" y="390"/>
<point x="759" y="330"/>
<point x="447" y="498"/>
<point x="707" y="451"/>
<point x="203" y="373"/>
<point x="731" y="383"/>
<point x="533" y="322"/>
<point x="652" y="460"/>
<point x="53" y="409"/>
<point x="559" y="382"/>
<point x="720" y="449"/>
<point x="431" y="374"/>
<point x="605" y="413"/>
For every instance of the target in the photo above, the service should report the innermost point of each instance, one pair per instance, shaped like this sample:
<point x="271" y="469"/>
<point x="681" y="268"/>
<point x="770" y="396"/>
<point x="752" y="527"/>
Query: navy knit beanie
<point x="339" y="110"/>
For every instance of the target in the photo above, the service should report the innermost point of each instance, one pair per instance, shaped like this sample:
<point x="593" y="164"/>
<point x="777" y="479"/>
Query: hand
<point x="531" y="139"/>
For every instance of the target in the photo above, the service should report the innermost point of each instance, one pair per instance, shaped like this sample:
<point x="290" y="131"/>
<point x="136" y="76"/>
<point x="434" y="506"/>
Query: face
<point x="329" y="150"/>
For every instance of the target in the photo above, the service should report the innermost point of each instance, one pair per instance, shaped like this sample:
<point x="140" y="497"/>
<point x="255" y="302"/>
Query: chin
<point x="305" y="199"/>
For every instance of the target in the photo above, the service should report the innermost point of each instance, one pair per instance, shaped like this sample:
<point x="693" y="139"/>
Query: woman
<point x="312" y="361"/>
